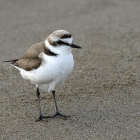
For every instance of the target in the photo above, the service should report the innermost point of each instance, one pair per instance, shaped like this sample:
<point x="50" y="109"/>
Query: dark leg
<point x="53" y="92"/>
<point x="57" y="112"/>
<point x="40" y="114"/>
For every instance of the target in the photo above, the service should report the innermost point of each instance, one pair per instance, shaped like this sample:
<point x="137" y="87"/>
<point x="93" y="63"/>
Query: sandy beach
<point x="102" y="95"/>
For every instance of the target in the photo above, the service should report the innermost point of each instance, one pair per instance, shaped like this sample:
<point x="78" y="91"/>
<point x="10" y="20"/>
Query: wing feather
<point x="31" y="58"/>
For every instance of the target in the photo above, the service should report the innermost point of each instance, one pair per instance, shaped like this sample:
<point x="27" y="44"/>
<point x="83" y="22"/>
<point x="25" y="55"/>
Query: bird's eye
<point x="59" y="42"/>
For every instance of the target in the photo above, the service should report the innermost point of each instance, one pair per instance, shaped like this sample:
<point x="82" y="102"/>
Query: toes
<point x="40" y="118"/>
<point x="59" y="115"/>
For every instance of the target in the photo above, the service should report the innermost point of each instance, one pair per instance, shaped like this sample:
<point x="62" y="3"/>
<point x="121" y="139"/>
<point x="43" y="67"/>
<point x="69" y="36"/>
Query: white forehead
<point x="68" y="40"/>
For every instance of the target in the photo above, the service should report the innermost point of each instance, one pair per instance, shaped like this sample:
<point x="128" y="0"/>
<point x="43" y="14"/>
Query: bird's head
<point x="60" y="42"/>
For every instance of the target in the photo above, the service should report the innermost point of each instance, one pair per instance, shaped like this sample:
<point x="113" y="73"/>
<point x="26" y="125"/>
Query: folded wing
<point x="31" y="58"/>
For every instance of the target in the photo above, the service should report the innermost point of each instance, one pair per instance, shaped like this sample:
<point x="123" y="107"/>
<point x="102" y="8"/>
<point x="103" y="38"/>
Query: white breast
<point x="52" y="73"/>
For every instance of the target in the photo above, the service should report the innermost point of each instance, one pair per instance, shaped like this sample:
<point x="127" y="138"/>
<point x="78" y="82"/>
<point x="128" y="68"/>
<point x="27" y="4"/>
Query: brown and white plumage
<point x="31" y="59"/>
<point x="47" y="64"/>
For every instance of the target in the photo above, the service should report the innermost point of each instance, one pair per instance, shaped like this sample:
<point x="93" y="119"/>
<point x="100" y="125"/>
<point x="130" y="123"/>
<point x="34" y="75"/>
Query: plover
<point x="47" y="65"/>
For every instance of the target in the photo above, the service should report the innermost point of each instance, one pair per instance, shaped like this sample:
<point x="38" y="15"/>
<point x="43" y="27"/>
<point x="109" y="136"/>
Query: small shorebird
<point x="47" y="65"/>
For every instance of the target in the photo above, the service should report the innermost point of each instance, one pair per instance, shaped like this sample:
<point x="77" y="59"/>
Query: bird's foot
<point x="41" y="118"/>
<point x="58" y="115"/>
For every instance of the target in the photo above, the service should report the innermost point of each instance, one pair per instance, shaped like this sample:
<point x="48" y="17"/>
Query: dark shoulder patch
<point x="31" y="58"/>
<point x="49" y="52"/>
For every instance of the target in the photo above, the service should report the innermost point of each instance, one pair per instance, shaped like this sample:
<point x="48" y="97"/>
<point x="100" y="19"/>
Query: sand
<point x="102" y="95"/>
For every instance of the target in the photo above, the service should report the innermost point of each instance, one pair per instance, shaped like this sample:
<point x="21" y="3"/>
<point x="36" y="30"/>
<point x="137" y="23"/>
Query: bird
<point x="47" y="65"/>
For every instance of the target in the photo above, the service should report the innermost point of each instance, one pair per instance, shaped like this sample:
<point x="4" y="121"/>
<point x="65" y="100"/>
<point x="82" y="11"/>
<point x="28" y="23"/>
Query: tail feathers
<point x="12" y="61"/>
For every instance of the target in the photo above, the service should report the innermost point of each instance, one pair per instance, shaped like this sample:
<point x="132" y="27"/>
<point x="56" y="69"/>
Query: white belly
<point x="52" y="73"/>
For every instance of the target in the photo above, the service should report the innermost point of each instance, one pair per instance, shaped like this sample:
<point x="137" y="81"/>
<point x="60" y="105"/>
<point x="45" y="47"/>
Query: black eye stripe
<point x="62" y="43"/>
<point x="59" y="42"/>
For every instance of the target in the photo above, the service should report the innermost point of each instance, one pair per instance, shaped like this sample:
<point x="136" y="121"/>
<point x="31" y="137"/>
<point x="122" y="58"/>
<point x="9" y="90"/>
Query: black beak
<point x="75" y="46"/>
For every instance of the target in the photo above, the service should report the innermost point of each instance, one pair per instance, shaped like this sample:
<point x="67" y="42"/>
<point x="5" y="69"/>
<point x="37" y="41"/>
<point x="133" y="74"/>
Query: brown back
<point x="31" y="58"/>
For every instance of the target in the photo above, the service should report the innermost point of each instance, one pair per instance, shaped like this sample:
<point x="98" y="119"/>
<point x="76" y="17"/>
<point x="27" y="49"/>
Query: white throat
<point x="60" y="50"/>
